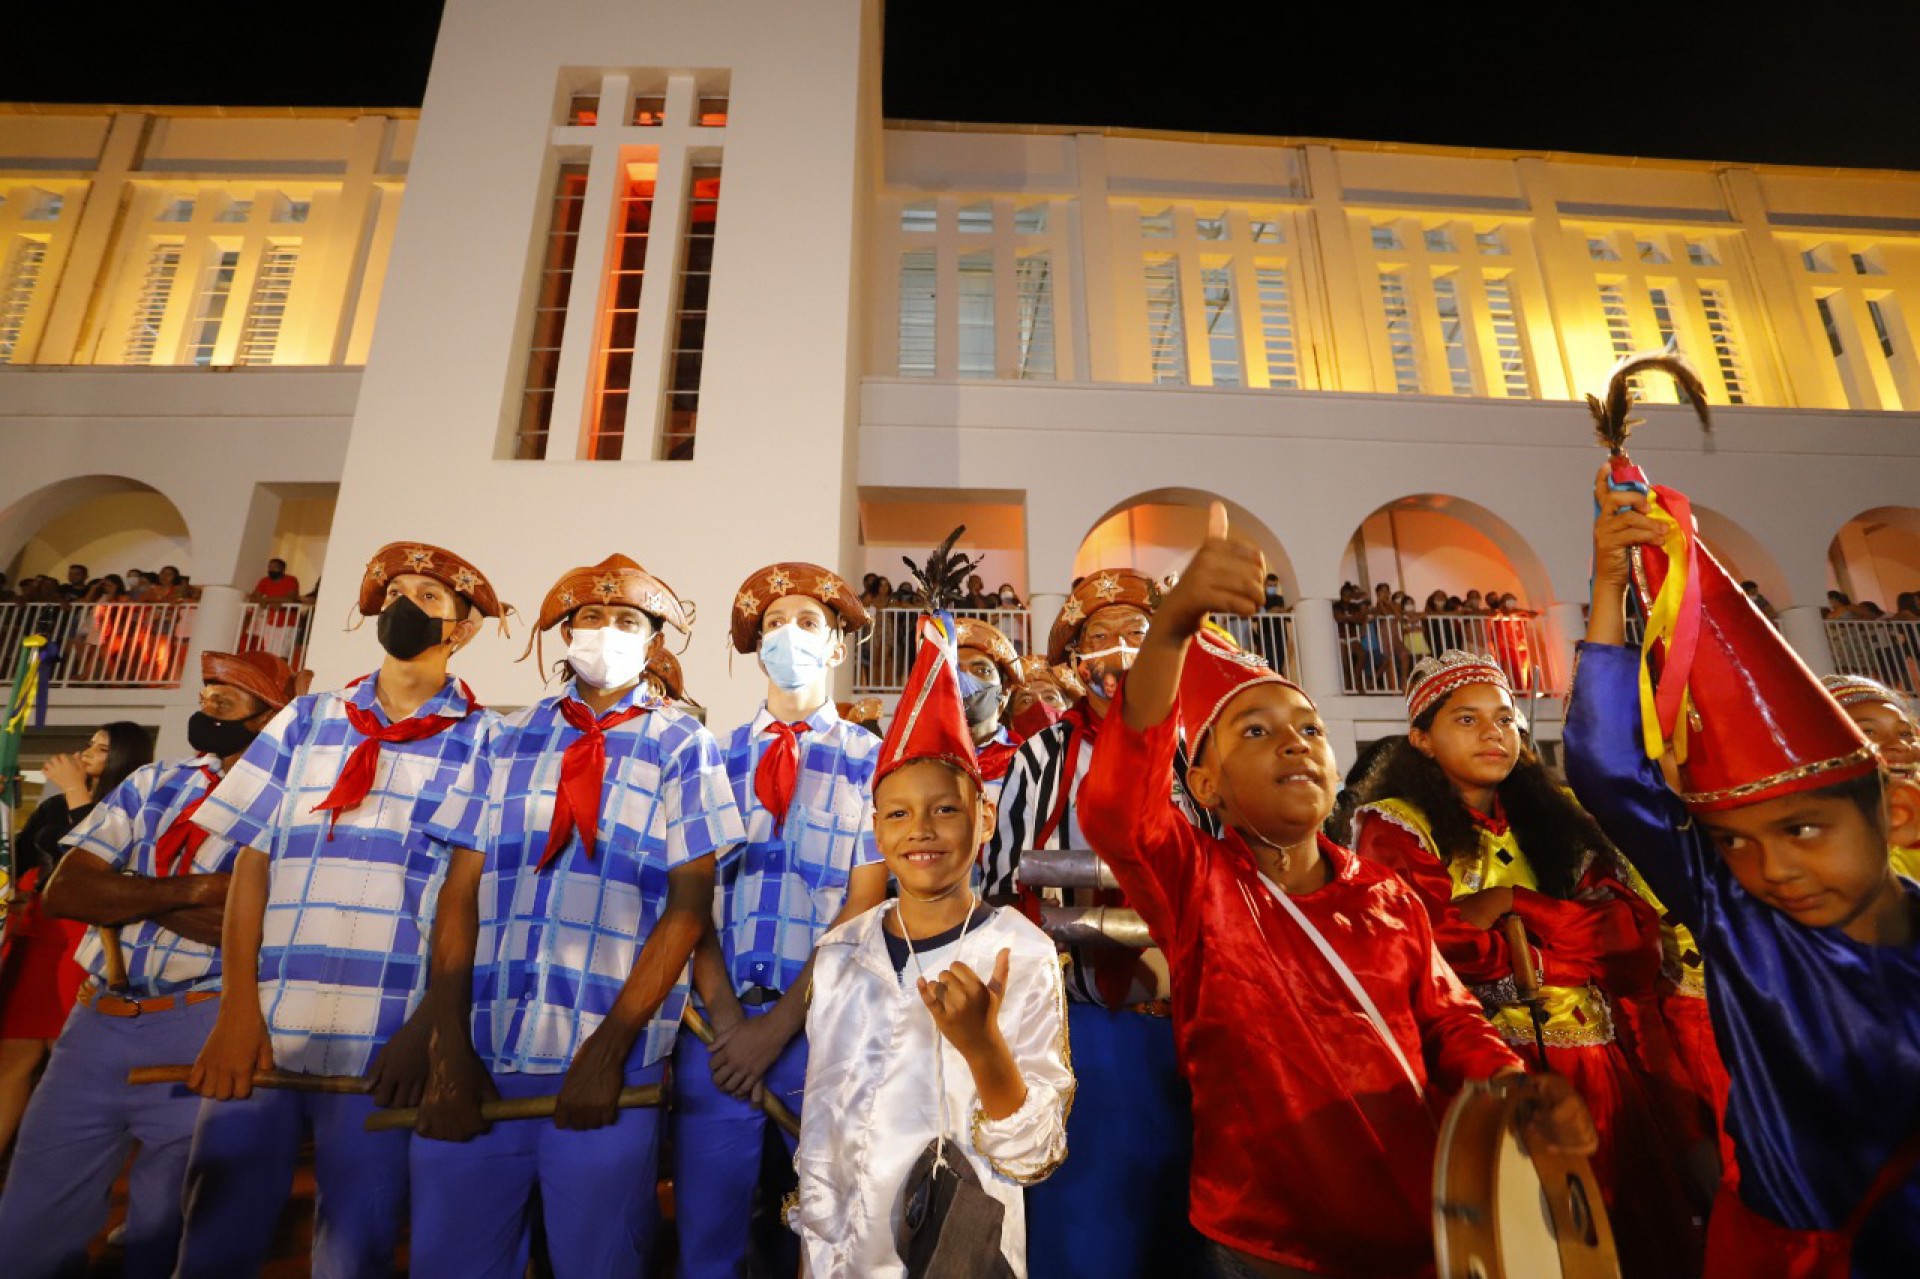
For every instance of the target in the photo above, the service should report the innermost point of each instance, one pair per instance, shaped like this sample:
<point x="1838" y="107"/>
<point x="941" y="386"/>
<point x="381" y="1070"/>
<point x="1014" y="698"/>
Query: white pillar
<point x="216" y="626"/>
<point x="1806" y="630"/>
<point x="1042" y="609"/>
<point x="1318" y="640"/>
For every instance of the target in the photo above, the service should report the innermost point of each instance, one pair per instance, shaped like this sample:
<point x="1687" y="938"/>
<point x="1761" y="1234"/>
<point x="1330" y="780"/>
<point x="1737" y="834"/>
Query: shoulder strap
<point x="1351" y="982"/>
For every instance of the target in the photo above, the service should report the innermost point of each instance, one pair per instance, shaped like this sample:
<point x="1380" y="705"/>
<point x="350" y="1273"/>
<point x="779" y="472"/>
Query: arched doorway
<point x="1873" y="610"/>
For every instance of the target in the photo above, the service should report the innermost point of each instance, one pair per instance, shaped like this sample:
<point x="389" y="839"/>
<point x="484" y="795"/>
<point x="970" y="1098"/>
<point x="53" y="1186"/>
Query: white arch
<point x="1170" y="536"/>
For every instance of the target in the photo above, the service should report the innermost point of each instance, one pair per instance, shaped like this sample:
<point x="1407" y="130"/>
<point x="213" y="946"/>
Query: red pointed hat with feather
<point x="1744" y="717"/>
<point x="931" y="721"/>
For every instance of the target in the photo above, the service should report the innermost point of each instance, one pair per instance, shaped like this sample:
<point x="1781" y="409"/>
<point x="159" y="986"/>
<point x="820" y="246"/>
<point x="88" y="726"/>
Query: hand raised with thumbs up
<point x="1227" y="575"/>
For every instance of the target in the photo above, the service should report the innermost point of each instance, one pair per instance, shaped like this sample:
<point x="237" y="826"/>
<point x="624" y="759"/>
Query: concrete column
<point x="1338" y="268"/>
<point x="1806" y="630"/>
<point x="1318" y="641"/>
<point x="87" y="271"/>
<point x="1042" y="609"/>
<point x="1566" y="626"/>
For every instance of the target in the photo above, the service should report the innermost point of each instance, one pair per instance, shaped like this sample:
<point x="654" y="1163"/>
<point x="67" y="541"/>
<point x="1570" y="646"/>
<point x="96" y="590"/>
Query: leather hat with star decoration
<point x="975" y="633"/>
<point x="792" y="577"/>
<point x="261" y="674"/>
<point x="1035" y="668"/>
<point x="396" y="559"/>
<point x="1097" y="590"/>
<point x="615" y="580"/>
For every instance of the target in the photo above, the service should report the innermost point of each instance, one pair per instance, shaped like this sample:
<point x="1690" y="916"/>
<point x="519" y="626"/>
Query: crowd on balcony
<point x="1382" y="636"/>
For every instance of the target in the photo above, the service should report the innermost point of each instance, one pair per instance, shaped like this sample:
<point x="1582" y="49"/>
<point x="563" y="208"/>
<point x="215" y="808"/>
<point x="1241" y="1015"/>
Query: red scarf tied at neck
<point x="583" y="775"/>
<point x="356" y="779"/>
<point x="773" y="778"/>
<point x="174" y="851"/>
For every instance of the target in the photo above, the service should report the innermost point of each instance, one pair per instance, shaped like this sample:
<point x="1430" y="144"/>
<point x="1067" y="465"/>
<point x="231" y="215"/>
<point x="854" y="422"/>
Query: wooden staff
<point x="541" y="1107"/>
<point x="290" y="1080"/>
<point x="1526" y="979"/>
<point x="775" y="1109"/>
<point x="116" y="959"/>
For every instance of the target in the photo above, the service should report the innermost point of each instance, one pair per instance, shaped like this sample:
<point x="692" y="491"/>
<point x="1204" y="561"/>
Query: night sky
<point x="1830" y="85"/>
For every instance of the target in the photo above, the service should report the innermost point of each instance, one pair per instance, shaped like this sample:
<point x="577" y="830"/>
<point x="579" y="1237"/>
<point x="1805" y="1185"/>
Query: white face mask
<point x="795" y="657"/>
<point x="607" y="657"/>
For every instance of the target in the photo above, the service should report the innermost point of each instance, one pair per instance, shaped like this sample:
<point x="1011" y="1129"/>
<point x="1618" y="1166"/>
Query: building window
<point x="1726" y="351"/>
<point x="1034" y="282"/>
<point x="16" y="292"/>
<point x="1613" y="307"/>
<point x="1439" y="239"/>
<point x="1881" y="330"/>
<point x="690" y="322"/>
<point x="210" y="308"/>
<point x="292" y="210"/>
<point x="649" y="111"/>
<point x="1866" y="264"/>
<point x="1699" y="254"/>
<point x="1824" y="305"/>
<point x="977" y="218"/>
<point x="176" y="210"/>
<point x="150" y="310"/>
<point x="267" y="308"/>
<point x="976" y="315"/>
<point x="1515" y="378"/>
<point x="1385" y="237"/>
<point x="1406" y="364"/>
<point x="920" y="217"/>
<point x="584" y="108"/>
<point x="1157" y="226"/>
<point x="45" y="208"/>
<point x="1490" y="243"/>
<point x="1223" y="333"/>
<point x="713" y="112"/>
<point x="1453" y="334"/>
<point x="1210" y="228"/>
<point x="235" y="211"/>
<point x="620" y="320"/>
<point x="550" y="311"/>
<point x="1166" y="333"/>
<point x="1265" y="231"/>
<point x="917" y="274"/>
<point x="1029" y="219"/>
<point x="1649" y="251"/>
<point x="1276" y="325"/>
<point x="1600" y="250"/>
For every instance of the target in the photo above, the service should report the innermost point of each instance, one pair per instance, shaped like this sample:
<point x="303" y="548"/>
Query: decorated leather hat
<point x="1035" y="668"/>
<point x="791" y="577"/>
<point x="991" y="640"/>
<point x="264" y="675"/>
<point x="397" y="559"/>
<point x="1101" y="589"/>
<point x="615" y="580"/>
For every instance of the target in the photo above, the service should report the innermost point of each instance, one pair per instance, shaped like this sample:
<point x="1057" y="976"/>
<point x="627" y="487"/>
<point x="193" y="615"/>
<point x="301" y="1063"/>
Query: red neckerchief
<point x="996" y="759"/>
<point x="1495" y="825"/>
<point x="356" y="779"/>
<point x="583" y="775"/>
<point x="779" y="767"/>
<point x="174" y="851"/>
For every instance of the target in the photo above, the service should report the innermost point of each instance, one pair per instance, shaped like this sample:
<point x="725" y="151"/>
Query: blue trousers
<point x="241" y="1171"/>
<point x="75" y="1135"/>
<point x="1117" y="1208"/>
<point x="473" y="1200"/>
<point x="717" y="1141"/>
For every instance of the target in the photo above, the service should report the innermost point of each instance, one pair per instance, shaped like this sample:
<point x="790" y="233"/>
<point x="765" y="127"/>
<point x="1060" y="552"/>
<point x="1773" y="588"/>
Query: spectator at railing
<point x="77" y="583"/>
<point x="6" y="590"/>
<point x="1008" y="597"/>
<point x="1839" y="607"/>
<point x="1276" y="600"/>
<point x="136" y="586"/>
<point x="1906" y="607"/>
<point x="168" y="587"/>
<point x="1759" y="601"/>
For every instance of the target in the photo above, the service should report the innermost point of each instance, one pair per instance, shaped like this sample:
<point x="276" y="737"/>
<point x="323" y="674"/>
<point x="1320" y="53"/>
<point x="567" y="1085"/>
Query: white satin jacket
<point x="871" y="1102"/>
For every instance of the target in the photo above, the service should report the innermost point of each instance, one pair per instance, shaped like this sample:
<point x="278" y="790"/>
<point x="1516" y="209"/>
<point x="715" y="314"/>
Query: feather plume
<point x="1610" y="420"/>
<point x="942" y="579"/>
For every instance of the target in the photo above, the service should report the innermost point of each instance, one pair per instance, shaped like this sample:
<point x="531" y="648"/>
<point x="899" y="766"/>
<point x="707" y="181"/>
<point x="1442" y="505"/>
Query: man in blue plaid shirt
<point x="138" y="866"/>
<point x="325" y="934"/>
<point x="803" y="778"/>
<point x="584" y="845"/>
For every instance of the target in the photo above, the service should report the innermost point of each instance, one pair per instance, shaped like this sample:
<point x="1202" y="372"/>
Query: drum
<point x="1502" y="1211"/>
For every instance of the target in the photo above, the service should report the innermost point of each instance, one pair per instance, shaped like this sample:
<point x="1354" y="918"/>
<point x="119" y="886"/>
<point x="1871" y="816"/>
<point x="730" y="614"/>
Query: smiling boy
<point x="1313" y="1110"/>
<point x="1774" y="854"/>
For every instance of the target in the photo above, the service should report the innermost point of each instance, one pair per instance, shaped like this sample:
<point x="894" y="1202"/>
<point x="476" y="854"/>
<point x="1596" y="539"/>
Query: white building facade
<point x="660" y="279"/>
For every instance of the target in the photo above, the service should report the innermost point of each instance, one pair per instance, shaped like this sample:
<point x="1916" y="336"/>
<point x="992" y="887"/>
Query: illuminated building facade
<point x="661" y="279"/>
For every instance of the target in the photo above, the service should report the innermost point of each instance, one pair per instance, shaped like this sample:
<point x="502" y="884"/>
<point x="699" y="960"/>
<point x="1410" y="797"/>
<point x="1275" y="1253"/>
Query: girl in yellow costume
<point x="1884" y="716"/>
<point x="1466" y="815"/>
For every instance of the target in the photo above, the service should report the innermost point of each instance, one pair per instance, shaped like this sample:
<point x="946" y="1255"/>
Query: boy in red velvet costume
<point x="1314" y="1115"/>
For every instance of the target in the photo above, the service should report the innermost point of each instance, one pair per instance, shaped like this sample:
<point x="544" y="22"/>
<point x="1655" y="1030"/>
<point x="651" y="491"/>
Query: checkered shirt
<point x="121" y="831"/>
<point x="343" y="954"/>
<point x="556" y="945"/>
<point x="778" y="897"/>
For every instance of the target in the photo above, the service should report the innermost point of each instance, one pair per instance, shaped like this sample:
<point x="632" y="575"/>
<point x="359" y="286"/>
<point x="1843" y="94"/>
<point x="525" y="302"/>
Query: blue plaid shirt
<point x="777" y="899"/>
<point x="121" y="831"/>
<point x="343" y="952"/>
<point x="556" y="945"/>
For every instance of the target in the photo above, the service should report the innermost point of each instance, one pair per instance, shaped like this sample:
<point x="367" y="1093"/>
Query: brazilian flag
<point x="20" y="708"/>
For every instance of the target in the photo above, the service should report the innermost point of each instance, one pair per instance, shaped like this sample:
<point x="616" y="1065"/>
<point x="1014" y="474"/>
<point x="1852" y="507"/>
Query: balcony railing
<point x="1377" y="655"/>
<point x="884" y="660"/>
<point x="1888" y="651"/>
<point x="139" y="645"/>
<point x="1268" y="634"/>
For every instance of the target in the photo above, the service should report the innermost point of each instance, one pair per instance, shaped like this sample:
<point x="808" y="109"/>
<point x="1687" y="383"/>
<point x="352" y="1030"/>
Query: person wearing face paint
<point x="989" y="670"/>
<point x="801" y="776"/>
<point x="136" y="864"/>
<point x="1466" y="814"/>
<point x="1129" y="1126"/>
<point x="1314" y="1111"/>
<point x="1888" y="723"/>
<point x="583" y="845"/>
<point x="1771" y="845"/>
<point x="933" y="1016"/>
<point x="325" y="935"/>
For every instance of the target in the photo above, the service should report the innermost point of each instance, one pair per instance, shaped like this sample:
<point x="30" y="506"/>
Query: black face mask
<point x="222" y="737"/>
<point x="406" y="631"/>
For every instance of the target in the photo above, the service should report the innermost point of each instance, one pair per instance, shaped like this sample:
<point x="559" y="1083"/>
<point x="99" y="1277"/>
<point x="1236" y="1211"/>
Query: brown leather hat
<point x="398" y="558"/>
<point x="615" y="580"/>
<point x="1102" y="589"/>
<point x="791" y="577"/>
<point x="262" y="674"/>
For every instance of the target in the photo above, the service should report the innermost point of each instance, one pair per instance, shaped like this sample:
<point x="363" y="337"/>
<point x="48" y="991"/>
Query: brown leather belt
<point x="108" y="1004"/>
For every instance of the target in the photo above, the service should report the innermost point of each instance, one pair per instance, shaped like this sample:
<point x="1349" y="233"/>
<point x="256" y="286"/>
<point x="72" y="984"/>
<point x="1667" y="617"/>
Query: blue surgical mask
<point x="794" y="657"/>
<point x="980" y="698"/>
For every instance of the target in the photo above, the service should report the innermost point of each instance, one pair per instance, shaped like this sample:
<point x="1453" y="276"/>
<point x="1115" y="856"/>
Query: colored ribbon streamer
<point x="1673" y="619"/>
<point x="583" y="774"/>
<point x="174" y="851"/>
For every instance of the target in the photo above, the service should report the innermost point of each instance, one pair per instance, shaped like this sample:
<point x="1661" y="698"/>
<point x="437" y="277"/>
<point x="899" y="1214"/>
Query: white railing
<point x="1377" y="654"/>
<point x="1268" y="634"/>
<point x="125" y="645"/>
<point x="884" y="659"/>
<point x="1888" y="651"/>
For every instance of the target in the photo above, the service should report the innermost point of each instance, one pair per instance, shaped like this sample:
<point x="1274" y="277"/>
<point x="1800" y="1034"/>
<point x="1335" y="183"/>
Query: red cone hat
<point x="930" y="722"/>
